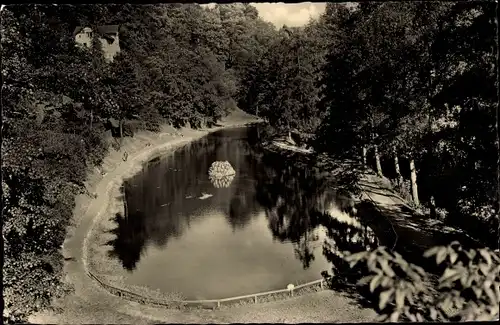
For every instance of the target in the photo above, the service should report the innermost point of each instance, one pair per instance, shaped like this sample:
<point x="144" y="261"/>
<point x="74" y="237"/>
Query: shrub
<point x="468" y="289"/>
<point x="95" y="146"/>
<point x="441" y="214"/>
<point x="129" y="129"/>
<point x="404" y="189"/>
<point x="42" y="173"/>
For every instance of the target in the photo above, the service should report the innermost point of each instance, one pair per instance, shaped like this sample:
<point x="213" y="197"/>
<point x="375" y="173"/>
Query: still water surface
<point x="256" y="232"/>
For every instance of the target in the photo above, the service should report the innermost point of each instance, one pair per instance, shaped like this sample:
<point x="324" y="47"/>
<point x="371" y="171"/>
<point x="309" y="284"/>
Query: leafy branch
<point x="468" y="289"/>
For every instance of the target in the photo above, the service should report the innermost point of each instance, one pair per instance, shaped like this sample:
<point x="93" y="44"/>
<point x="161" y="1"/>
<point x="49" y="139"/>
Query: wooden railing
<point x="198" y="303"/>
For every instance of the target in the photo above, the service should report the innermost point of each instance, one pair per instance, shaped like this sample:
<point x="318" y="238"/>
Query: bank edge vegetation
<point x="396" y="82"/>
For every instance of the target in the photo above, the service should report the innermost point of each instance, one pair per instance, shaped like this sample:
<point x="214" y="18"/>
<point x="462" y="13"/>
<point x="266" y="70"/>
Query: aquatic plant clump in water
<point x="222" y="182"/>
<point x="221" y="174"/>
<point x="219" y="169"/>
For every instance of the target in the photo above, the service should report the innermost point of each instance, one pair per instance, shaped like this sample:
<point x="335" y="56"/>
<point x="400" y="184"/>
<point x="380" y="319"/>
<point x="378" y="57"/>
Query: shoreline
<point x="90" y="303"/>
<point x="103" y="269"/>
<point x="110" y="194"/>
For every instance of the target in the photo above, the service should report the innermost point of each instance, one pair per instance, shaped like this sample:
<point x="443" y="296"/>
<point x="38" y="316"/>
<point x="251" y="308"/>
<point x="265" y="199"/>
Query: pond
<point x="259" y="231"/>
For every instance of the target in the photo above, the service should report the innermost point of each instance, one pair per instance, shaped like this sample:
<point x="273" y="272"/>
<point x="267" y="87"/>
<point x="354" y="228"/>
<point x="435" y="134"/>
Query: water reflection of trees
<point x="158" y="203"/>
<point x="129" y="242"/>
<point x="299" y="201"/>
<point x="242" y="206"/>
<point x="345" y="233"/>
<point x="296" y="199"/>
<point x="290" y="196"/>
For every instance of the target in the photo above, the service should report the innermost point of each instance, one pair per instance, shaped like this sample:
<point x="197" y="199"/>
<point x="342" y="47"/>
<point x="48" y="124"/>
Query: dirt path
<point x="400" y="227"/>
<point x="89" y="303"/>
<point x="321" y="307"/>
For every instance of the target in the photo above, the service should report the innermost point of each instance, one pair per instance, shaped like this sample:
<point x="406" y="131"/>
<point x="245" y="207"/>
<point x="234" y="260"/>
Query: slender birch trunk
<point x="396" y="165"/>
<point x="377" y="162"/>
<point x="365" y="151"/>
<point x="121" y="132"/>
<point x="414" y="188"/>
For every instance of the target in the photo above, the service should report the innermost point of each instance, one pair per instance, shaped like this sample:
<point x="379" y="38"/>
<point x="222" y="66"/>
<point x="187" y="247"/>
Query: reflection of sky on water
<point x="212" y="260"/>
<point x="348" y="231"/>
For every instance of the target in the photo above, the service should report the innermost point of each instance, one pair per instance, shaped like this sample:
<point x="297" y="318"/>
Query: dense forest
<point x="409" y="88"/>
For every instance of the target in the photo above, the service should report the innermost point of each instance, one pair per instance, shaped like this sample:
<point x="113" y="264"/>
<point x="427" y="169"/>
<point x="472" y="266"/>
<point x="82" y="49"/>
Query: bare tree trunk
<point x="121" y="132"/>
<point x="396" y="165"/>
<point x="365" y="150"/>
<point x="433" y="208"/>
<point x="414" y="188"/>
<point x="377" y="162"/>
<point x="91" y="118"/>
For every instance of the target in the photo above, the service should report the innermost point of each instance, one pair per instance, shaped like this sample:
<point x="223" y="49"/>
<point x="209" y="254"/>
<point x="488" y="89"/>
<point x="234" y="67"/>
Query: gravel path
<point x="321" y="307"/>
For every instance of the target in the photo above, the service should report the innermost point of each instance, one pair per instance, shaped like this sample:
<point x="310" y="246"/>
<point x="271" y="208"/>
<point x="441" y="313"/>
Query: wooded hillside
<point x="179" y="64"/>
<point x="411" y="88"/>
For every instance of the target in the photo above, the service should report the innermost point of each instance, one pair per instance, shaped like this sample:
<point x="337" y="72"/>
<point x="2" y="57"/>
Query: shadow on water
<point x="173" y="193"/>
<point x="290" y="197"/>
<point x="299" y="200"/>
<point x="174" y="186"/>
<point x="129" y="241"/>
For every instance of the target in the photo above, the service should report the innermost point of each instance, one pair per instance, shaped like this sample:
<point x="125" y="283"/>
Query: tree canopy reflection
<point x="299" y="204"/>
<point x="163" y="199"/>
<point x="299" y="201"/>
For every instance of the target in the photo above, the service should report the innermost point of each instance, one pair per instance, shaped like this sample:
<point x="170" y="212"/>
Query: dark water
<point x="273" y="224"/>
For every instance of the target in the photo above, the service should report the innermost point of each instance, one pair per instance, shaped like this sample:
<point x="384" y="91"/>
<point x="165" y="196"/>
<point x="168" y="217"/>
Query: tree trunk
<point x="91" y="118"/>
<point x="121" y="132"/>
<point x="498" y="148"/>
<point x="365" y="150"/>
<point x="498" y="155"/>
<point x="377" y="162"/>
<point x="396" y="165"/>
<point x="414" y="188"/>
<point x="290" y="137"/>
<point x="433" y="208"/>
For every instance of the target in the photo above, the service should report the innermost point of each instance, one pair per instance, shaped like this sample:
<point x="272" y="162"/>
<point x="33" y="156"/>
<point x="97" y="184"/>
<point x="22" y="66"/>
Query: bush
<point x="43" y="170"/>
<point x="404" y="189"/>
<point x="441" y="214"/>
<point x="468" y="289"/>
<point x="129" y="129"/>
<point x="152" y="121"/>
<point x="96" y="146"/>
<point x="31" y="289"/>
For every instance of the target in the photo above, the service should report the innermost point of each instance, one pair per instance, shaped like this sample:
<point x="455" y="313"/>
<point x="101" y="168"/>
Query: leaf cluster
<point x="468" y="289"/>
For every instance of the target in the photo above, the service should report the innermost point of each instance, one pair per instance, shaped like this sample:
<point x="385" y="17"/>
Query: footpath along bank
<point x="397" y="225"/>
<point x="90" y="303"/>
